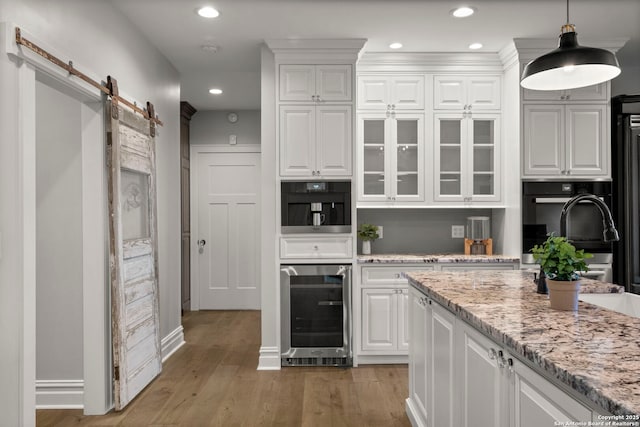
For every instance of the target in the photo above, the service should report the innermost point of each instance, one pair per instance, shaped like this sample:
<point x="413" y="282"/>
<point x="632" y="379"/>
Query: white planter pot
<point x="366" y="247"/>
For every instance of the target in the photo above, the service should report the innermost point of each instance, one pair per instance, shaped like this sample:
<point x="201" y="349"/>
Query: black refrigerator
<point x="625" y="143"/>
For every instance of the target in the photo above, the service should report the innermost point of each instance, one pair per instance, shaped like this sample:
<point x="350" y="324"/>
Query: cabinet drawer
<point x="372" y="276"/>
<point x="479" y="266"/>
<point x="316" y="247"/>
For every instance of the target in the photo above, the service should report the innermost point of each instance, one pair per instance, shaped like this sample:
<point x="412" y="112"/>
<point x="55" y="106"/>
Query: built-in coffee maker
<point x="316" y="207"/>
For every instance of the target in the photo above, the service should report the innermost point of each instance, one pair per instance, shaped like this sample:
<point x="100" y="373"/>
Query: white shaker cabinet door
<point x="480" y="380"/>
<point x="543" y="140"/>
<point x="537" y="402"/>
<point x="442" y="373"/>
<point x="587" y="142"/>
<point x="297" y="82"/>
<point x="297" y="140"/>
<point x="333" y="83"/>
<point x="419" y="358"/>
<point x="379" y="317"/>
<point x="333" y="142"/>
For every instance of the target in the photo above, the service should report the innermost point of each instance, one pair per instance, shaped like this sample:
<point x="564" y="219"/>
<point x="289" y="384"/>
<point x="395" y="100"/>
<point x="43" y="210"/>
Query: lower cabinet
<point x="432" y="396"/>
<point x="459" y="377"/>
<point x="385" y="320"/>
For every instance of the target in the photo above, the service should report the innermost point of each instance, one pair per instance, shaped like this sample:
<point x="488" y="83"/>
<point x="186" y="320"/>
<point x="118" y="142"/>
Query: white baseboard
<point x="172" y="342"/>
<point x="269" y="359"/>
<point x="59" y="394"/>
<point x="412" y="413"/>
<point x="382" y="360"/>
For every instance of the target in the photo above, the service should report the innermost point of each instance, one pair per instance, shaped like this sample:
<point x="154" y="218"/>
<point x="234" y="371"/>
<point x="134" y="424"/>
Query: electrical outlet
<point x="457" y="231"/>
<point x="379" y="232"/>
<point x="233" y="139"/>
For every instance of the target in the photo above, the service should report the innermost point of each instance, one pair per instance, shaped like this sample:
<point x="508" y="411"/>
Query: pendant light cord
<point x="567" y="11"/>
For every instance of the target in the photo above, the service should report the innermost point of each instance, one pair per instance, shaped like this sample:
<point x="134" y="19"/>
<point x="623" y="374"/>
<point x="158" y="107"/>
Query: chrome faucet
<point x="610" y="234"/>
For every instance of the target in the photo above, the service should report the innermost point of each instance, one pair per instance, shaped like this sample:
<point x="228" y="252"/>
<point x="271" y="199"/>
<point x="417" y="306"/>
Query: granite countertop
<point x="432" y="258"/>
<point x="594" y="351"/>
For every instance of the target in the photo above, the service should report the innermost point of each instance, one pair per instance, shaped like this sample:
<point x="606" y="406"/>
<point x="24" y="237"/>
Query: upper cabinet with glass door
<point x="466" y="158"/>
<point x="390" y="158"/>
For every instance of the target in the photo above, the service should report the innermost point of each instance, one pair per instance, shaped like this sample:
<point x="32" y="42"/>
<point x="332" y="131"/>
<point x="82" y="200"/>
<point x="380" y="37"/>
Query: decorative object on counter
<point x="477" y="241"/>
<point x="570" y="66"/>
<point x="541" y="280"/>
<point x="368" y="233"/>
<point x="561" y="262"/>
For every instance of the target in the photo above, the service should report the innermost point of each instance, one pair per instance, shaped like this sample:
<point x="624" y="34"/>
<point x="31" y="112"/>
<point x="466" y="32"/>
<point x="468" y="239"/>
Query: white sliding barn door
<point x="133" y="254"/>
<point x="228" y="230"/>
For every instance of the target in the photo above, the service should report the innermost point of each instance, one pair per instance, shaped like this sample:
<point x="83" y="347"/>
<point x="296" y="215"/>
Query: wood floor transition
<point x="212" y="381"/>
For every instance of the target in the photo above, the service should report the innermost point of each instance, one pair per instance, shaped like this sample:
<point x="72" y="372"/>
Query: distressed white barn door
<point x="133" y="253"/>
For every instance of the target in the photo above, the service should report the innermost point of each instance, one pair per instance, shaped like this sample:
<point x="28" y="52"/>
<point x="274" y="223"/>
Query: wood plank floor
<point x="212" y="381"/>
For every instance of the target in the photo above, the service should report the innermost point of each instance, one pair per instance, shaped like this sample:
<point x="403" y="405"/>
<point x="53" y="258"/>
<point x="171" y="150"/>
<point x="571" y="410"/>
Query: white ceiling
<point x="421" y="25"/>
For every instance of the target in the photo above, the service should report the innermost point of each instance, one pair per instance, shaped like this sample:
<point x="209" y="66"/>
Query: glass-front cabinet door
<point x="408" y="160"/>
<point x="391" y="157"/>
<point x="373" y="133"/>
<point x="466" y="158"/>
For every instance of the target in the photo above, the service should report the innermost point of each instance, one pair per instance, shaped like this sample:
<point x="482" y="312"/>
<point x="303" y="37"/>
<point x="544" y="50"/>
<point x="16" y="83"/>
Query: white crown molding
<point x="429" y="62"/>
<point x="509" y="56"/>
<point x="309" y="51"/>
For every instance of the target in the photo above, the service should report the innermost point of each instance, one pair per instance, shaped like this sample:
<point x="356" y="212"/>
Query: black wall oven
<point x="542" y="204"/>
<point x="316" y="315"/>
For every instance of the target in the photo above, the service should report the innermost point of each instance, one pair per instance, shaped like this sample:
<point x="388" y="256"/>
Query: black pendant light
<point x="570" y="65"/>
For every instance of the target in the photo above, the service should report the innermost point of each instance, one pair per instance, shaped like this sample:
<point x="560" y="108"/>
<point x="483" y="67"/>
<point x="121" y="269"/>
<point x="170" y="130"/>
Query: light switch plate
<point x="233" y="139"/>
<point x="457" y="231"/>
<point x="379" y="232"/>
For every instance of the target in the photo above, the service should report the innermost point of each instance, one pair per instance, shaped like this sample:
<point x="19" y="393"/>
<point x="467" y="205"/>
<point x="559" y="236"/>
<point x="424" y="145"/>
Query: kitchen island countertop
<point x="433" y="258"/>
<point x="594" y="351"/>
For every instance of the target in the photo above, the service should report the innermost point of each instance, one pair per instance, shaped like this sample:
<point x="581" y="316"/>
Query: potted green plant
<point x="561" y="262"/>
<point x="368" y="233"/>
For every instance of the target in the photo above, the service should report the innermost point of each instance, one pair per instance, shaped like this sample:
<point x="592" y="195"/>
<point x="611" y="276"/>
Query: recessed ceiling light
<point x="395" y="45"/>
<point x="463" y="12"/>
<point x="475" y="46"/>
<point x="208" y="12"/>
<point x="215" y="91"/>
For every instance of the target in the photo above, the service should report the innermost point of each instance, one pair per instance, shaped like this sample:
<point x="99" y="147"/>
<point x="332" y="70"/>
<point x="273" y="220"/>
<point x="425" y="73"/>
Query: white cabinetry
<point x="431" y="363"/>
<point x="384" y="324"/>
<point x="391" y="157"/>
<point x="566" y="140"/>
<point x="315" y="140"/>
<point x="384" y="314"/>
<point x="467" y="157"/>
<point x="451" y="362"/>
<point x="315" y="247"/>
<point x="475" y="266"/>
<point x="319" y="83"/>
<point x="469" y="93"/>
<point x="596" y="93"/>
<point x="481" y="380"/>
<point x="391" y="93"/>
<point x="537" y="402"/>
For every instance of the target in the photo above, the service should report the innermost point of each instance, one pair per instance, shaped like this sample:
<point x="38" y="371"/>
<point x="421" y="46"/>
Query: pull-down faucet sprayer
<point x="610" y="234"/>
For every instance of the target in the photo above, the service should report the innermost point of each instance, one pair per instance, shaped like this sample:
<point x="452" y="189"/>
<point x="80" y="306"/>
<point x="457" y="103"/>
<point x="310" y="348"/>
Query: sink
<point x="625" y="303"/>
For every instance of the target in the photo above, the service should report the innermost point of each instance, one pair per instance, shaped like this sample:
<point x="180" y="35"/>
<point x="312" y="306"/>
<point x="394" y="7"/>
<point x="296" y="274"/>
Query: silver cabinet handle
<point x="393" y="106"/>
<point x="492" y="354"/>
<point x="331" y="303"/>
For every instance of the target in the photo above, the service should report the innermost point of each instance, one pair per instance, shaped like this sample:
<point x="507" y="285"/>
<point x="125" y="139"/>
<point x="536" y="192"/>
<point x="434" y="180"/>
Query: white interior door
<point x="133" y="254"/>
<point x="228" y="230"/>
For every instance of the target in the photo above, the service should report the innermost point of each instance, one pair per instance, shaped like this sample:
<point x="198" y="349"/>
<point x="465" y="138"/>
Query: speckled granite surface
<point x="594" y="351"/>
<point x="431" y="258"/>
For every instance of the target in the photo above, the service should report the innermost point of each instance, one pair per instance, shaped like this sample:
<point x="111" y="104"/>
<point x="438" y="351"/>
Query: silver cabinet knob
<point x="201" y="243"/>
<point x="315" y="247"/>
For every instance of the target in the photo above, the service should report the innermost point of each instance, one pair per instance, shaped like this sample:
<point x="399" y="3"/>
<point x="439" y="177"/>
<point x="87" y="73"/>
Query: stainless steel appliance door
<point x="315" y="311"/>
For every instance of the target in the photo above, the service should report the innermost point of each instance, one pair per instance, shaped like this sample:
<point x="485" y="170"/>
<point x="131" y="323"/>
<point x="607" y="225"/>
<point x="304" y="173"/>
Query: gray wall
<point x="58" y="236"/>
<point x="628" y="82"/>
<point x="212" y="127"/>
<point x="417" y="230"/>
